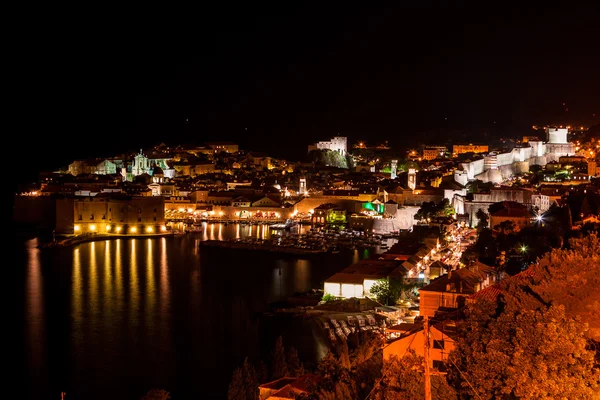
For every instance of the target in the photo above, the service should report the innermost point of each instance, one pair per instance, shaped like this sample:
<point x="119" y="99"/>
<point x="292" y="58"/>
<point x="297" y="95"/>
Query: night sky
<point x="277" y="78"/>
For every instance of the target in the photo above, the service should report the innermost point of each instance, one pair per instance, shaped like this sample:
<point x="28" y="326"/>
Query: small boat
<point x="287" y="225"/>
<point x="195" y="228"/>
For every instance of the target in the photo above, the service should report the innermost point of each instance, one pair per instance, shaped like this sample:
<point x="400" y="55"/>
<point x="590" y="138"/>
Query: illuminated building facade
<point x="518" y="160"/>
<point x="394" y="167"/>
<point x="228" y="147"/>
<point x="469" y="148"/>
<point x="412" y="178"/>
<point x="429" y="153"/>
<point x="110" y="214"/>
<point x="338" y="143"/>
<point x="302" y="187"/>
<point x="357" y="279"/>
<point x="327" y="214"/>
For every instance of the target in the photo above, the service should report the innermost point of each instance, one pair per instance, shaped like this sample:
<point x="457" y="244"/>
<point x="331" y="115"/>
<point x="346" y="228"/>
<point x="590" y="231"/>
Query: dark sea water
<point x="112" y="319"/>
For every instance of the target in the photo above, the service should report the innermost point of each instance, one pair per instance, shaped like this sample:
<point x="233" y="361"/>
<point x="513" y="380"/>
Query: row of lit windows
<point x="117" y="229"/>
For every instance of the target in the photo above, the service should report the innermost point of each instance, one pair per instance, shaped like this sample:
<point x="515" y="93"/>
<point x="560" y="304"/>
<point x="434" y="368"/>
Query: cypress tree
<point x="279" y="367"/>
<point x="236" y="389"/>
<point x="250" y="382"/>
<point x="295" y="367"/>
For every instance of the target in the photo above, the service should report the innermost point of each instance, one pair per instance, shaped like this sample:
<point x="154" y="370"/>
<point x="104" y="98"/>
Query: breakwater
<point x="255" y="246"/>
<point x="84" y="238"/>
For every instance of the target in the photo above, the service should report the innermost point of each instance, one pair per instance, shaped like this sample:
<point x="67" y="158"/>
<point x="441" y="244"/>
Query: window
<point x="80" y="217"/>
<point x="439" y="365"/>
<point x="92" y="217"/>
<point x="139" y="219"/>
<point x="438" y="344"/>
<point x="155" y="218"/>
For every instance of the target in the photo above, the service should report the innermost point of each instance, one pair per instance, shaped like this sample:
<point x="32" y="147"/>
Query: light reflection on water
<point x="133" y="314"/>
<point x="34" y="303"/>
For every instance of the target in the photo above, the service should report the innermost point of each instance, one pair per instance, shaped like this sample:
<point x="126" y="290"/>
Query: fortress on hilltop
<point x="496" y="167"/>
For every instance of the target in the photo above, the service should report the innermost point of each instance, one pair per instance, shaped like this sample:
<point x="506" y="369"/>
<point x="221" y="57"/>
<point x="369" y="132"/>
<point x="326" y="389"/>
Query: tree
<point x="403" y="379"/>
<point x="506" y="227"/>
<point x="478" y="185"/>
<point x="522" y="348"/>
<point x="262" y="372"/>
<point x="571" y="277"/>
<point x="250" y="382"/>
<point x="328" y="157"/>
<point x="427" y="210"/>
<point x="482" y="219"/>
<point x="244" y="385"/>
<point x="328" y="297"/>
<point x="369" y="344"/>
<point x="279" y="367"/>
<point x="383" y="291"/>
<point x="236" y="390"/>
<point x="447" y="208"/>
<point x="156" y="394"/>
<point x="294" y="365"/>
<point x="336" y="380"/>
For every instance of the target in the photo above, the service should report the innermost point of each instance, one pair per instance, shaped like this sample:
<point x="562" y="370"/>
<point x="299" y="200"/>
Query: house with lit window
<point x="327" y="214"/>
<point x="356" y="279"/>
<point x="450" y="291"/>
<point x="265" y="201"/>
<point x="519" y="214"/>
<point x="241" y="201"/>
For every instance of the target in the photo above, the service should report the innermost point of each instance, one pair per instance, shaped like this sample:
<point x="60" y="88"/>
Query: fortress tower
<point x="557" y="145"/>
<point x="412" y="178"/>
<point x="557" y="135"/>
<point x="394" y="169"/>
<point x="338" y="143"/>
<point x="302" y="190"/>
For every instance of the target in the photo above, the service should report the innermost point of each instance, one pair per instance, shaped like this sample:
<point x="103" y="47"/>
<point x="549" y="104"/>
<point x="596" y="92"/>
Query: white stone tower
<point x="302" y="190"/>
<point x="412" y="178"/>
<point x="557" y="135"/>
<point x="394" y="169"/>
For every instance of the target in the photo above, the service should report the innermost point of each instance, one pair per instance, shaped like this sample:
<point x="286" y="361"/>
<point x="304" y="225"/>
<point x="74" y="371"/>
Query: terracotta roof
<point x="469" y="277"/>
<point x="328" y="206"/>
<point x="278" y="383"/>
<point x="340" y="192"/>
<point x="241" y="199"/>
<point x="356" y="278"/>
<point x="290" y="387"/>
<point x="492" y="292"/>
<point x="220" y="143"/>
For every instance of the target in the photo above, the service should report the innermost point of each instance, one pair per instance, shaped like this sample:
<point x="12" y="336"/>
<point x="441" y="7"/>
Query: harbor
<point x="313" y="241"/>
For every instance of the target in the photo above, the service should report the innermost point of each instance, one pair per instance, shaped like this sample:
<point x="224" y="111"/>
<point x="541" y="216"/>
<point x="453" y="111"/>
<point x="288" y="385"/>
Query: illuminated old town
<point x="313" y="233"/>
